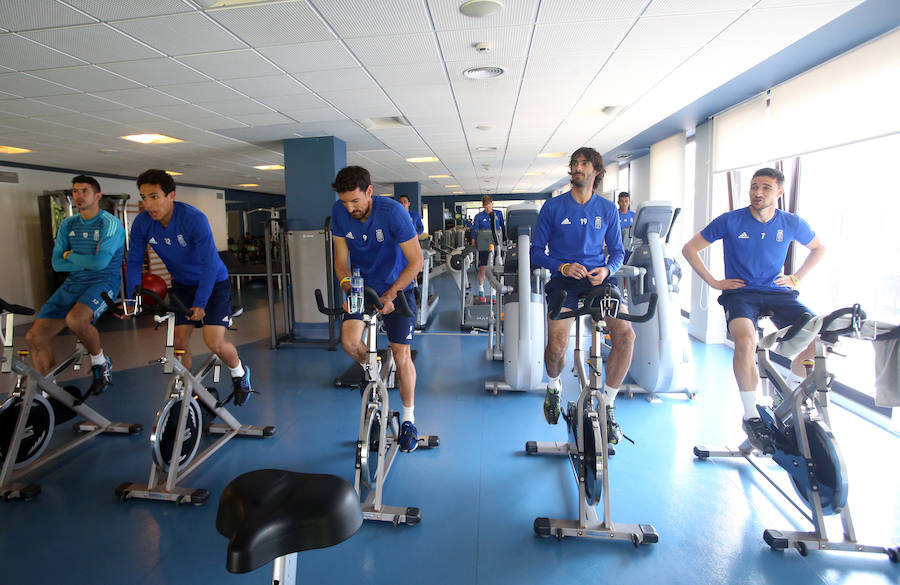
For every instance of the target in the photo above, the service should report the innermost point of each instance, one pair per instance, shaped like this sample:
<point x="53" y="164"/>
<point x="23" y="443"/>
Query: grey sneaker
<point x="613" y="432"/>
<point x="758" y="435"/>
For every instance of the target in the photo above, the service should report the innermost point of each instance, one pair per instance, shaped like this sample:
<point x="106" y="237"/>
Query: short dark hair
<point x="485" y="199"/>
<point x="157" y="177"/>
<point x="625" y="194"/>
<point x="88" y="180"/>
<point x="772" y="173"/>
<point x="351" y="178"/>
<point x="595" y="159"/>
<point x="399" y="197"/>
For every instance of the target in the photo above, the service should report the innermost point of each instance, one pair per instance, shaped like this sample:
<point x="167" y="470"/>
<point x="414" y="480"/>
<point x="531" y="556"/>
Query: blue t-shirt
<point x="374" y="245"/>
<point x="755" y="251"/>
<point x="626" y="219"/>
<point x="570" y="232"/>
<point x="483" y="222"/>
<point x="186" y="246"/>
<point x="97" y="246"/>
<point x="417" y="222"/>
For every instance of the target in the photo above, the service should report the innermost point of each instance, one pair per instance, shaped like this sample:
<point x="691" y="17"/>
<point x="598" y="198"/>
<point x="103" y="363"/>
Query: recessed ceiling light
<point x="247" y="185"/>
<point x="451" y="186"/>
<point x="484" y="127"/>
<point x="534" y="173"/>
<point x="385" y="194"/>
<point x="458" y="193"/>
<point x="487" y="72"/>
<point x="623" y="156"/>
<point x="481" y="8"/>
<point x="438" y="176"/>
<point x="518" y="190"/>
<point x="485" y="148"/>
<point x="107" y="150"/>
<point x="423" y="159"/>
<point x="174" y="173"/>
<point x="152" y="138"/>
<point x="12" y="150"/>
<point x="551" y="155"/>
<point x="269" y="167"/>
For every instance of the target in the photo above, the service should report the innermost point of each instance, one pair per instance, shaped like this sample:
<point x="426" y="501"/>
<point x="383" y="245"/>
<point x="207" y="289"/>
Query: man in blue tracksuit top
<point x="568" y="241"/>
<point x="755" y="242"/>
<point x="89" y="247"/>
<point x="376" y="235"/>
<point x="180" y="235"/>
<point x="415" y="217"/>
<point x="486" y="220"/>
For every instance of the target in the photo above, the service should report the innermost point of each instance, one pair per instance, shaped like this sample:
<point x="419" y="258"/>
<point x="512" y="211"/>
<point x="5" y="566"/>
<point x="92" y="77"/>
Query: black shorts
<point x="399" y="328"/>
<point x="784" y="304"/>
<point x="483" y="258"/>
<point x="218" y="307"/>
<point x="573" y="287"/>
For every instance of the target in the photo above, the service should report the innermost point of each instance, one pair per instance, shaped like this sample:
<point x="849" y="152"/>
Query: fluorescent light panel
<point x="152" y="138"/>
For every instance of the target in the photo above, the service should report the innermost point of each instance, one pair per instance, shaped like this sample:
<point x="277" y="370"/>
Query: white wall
<point x="20" y="230"/>
<point x="639" y="180"/>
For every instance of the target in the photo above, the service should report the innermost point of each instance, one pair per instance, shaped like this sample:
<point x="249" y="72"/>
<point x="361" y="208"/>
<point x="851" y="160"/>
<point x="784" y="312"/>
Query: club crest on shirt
<point x="181" y="241"/>
<point x="96" y="235"/>
<point x="779" y="236"/>
<point x="597" y="222"/>
<point x="84" y="234"/>
<point x="379" y="235"/>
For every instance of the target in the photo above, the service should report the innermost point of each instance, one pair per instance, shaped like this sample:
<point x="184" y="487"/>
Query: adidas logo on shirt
<point x="566" y="222"/>
<point x="743" y="236"/>
<point x="152" y="240"/>
<point x="349" y="235"/>
<point x="72" y="234"/>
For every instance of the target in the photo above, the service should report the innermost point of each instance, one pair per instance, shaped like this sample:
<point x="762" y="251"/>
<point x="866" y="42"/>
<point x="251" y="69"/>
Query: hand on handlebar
<point x="387" y="301"/>
<point x="196" y="314"/>
<point x="728" y="284"/>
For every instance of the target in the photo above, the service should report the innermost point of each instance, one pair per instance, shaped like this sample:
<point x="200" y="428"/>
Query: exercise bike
<point x="185" y="415"/>
<point x="379" y="427"/>
<point x="587" y="449"/>
<point x="800" y="439"/>
<point x="35" y="405"/>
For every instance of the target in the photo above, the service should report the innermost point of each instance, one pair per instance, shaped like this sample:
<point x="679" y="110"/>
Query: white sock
<point x="749" y="400"/>
<point x="99" y="359"/>
<point x="610" y="395"/>
<point x="481" y="290"/>
<point x="408" y="414"/>
<point x="554" y="382"/>
<point x="237" y="371"/>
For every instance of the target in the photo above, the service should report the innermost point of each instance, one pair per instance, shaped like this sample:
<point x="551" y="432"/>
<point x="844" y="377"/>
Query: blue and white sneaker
<point x="242" y="388"/>
<point x="102" y="377"/>
<point x="409" y="437"/>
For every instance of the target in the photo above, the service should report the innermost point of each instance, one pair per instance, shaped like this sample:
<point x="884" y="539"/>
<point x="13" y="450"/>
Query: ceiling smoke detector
<point x="481" y="8"/>
<point x="488" y="72"/>
<point x="484" y="47"/>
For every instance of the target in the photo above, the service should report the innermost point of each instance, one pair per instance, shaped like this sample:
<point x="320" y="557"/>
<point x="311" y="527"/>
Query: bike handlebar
<point x="605" y="295"/>
<point x="372" y="303"/>
<point x="15" y="309"/>
<point x="160" y="308"/>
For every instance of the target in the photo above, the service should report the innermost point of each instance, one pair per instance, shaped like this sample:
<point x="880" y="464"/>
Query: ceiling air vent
<point x="484" y="72"/>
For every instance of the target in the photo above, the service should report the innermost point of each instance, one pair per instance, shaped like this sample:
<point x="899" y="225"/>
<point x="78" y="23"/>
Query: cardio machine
<point x="587" y="449"/>
<point x="662" y="360"/>
<point x="379" y="427"/>
<point x="476" y="315"/>
<point x="800" y="439"/>
<point x="184" y="416"/>
<point x="35" y="405"/>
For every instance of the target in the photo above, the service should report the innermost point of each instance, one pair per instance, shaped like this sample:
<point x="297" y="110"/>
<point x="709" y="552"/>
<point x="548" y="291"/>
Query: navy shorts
<point x="483" y="258"/>
<point x="218" y="307"/>
<point x="399" y="328"/>
<point x="573" y="287"/>
<point x="784" y="305"/>
<point x="61" y="302"/>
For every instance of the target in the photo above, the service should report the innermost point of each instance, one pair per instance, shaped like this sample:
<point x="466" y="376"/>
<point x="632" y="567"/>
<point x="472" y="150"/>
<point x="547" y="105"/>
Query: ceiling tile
<point x="675" y="7"/>
<point x="180" y="34"/>
<point x="447" y="16"/>
<point x="409" y="75"/>
<point x="85" y="78"/>
<point x="396" y="49"/>
<point x="363" y="18"/>
<point x="509" y="43"/>
<point x="21" y="54"/>
<point x="337" y="80"/>
<point x="106" y="10"/>
<point x="28" y="107"/>
<point x="230" y="64"/>
<point x="317" y="56"/>
<point x="205" y="91"/>
<point x="80" y="102"/>
<point x="236" y="107"/>
<point x="139" y="97"/>
<point x="586" y="41"/>
<point x="95" y="43"/>
<point x="266" y="119"/>
<point x="293" y="102"/>
<point x="19" y="15"/>
<point x="155" y="71"/>
<point x="309" y="115"/>
<point x="24" y="85"/>
<point x="276" y="23"/>
<point x="671" y="32"/>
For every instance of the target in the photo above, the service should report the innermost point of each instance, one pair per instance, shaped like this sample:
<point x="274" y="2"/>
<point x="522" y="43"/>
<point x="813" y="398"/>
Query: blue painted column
<point x="413" y="191"/>
<point x="310" y="165"/>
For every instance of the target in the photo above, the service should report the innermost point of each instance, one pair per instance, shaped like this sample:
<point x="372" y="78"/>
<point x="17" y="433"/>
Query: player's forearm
<point x="815" y="256"/>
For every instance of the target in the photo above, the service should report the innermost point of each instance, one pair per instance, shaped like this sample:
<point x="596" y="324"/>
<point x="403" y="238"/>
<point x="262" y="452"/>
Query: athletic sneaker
<point x="758" y="435"/>
<point x="102" y="374"/>
<point x="409" y="437"/>
<point x="551" y="401"/>
<point x="242" y="389"/>
<point x="613" y="432"/>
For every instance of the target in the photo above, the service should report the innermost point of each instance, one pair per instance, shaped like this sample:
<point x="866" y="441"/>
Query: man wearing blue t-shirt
<point x="376" y="235"/>
<point x="180" y="235"/>
<point x="626" y="215"/>
<point x="568" y="241"/>
<point x="488" y="219"/>
<point x="415" y="217"/>
<point x="89" y="247"/>
<point x="755" y="242"/>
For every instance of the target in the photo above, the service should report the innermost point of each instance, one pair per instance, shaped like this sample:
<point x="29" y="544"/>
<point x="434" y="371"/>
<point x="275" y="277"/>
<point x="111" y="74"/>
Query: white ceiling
<point x="233" y="81"/>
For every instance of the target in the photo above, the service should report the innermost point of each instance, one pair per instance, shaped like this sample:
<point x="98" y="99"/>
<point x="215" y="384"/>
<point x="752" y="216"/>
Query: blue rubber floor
<point x="479" y="493"/>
